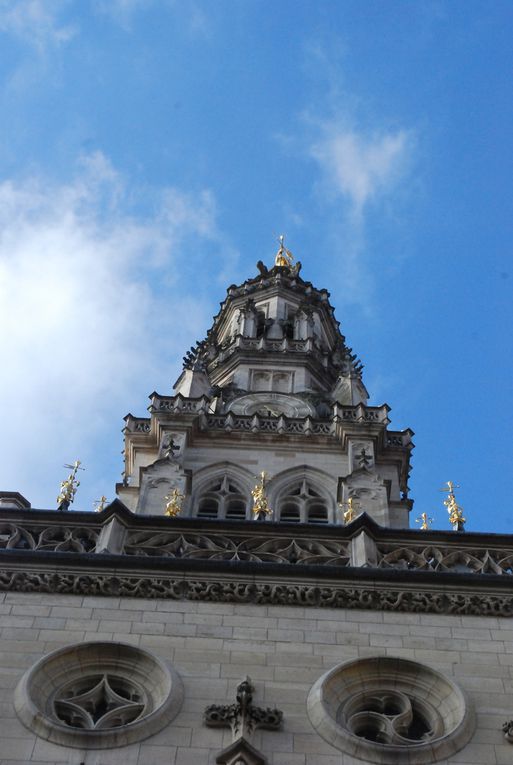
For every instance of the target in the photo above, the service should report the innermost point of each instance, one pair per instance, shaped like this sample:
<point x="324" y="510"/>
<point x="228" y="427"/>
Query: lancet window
<point x="223" y="498"/>
<point x="301" y="503"/>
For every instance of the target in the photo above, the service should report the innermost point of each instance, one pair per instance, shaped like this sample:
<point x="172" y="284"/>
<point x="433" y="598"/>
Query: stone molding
<point x="215" y="590"/>
<point x="361" y="565"/>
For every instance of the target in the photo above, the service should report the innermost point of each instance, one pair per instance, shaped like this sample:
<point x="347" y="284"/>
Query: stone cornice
<point x="361" y="565"/>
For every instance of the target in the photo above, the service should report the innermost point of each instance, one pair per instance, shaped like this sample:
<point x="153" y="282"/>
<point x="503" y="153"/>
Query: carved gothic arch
<point x="303" y="494"/>
<point x="222" y="490"/>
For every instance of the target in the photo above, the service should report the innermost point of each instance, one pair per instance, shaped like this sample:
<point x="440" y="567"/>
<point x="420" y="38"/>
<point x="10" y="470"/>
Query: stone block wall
<point x="284" y="650"/>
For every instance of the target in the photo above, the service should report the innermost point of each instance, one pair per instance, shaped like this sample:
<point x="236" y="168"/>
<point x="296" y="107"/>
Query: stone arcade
<point x="175" y="627"/>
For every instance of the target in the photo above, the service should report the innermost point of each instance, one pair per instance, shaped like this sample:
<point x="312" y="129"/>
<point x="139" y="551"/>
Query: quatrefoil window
<point x="99" y="702"/>
<point x="388" y="710"/>
<point x="98" y="695"/>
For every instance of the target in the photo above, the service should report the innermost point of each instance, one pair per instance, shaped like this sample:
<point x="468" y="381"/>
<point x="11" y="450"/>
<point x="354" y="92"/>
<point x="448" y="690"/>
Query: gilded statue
<point x="173" y="503"/>
<point x="69" y="487"/>
<point x="260" y="502"/>
<point x="455" y="510"/>
<point x="425" y="521"/>
<point x="349" y="508"/>
<point x="99" y="504"/>
<point x="283" y="257"/>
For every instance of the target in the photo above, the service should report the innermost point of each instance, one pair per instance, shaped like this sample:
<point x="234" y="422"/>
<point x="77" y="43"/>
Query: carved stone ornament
<point x="333" y="596"/>
<point x="98" y="695"/>
<point x="243" y="718"/>
<point x="240" y="753"/>
<point x="390" y="711"/>
<point x="508" y="731"/>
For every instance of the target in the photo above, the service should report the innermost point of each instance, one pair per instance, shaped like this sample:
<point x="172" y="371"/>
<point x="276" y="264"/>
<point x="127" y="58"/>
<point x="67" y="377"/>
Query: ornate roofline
<point x="361" y="565"/>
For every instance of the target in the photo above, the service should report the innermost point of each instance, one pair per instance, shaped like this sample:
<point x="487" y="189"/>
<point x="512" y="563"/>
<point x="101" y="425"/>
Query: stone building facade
<point x="282" y="611"/>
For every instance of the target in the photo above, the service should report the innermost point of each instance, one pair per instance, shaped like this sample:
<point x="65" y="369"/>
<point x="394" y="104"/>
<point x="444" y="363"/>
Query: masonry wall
<point x="283" y="650"/>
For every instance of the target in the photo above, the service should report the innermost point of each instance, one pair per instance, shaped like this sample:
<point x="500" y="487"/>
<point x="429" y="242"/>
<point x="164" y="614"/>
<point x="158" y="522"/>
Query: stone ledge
<point x="353" y="594"/>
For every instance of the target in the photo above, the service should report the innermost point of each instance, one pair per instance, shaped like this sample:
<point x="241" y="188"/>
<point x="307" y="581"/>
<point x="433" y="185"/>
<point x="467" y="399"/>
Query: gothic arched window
<point x="222" y="498"/>
<point x="301" y="503"/>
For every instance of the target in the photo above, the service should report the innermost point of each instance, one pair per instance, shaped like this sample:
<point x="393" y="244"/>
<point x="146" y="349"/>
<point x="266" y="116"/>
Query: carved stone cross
<point x="363" y="458"/>
<point x="243" y="718"/>
<point x="171" y="448"/>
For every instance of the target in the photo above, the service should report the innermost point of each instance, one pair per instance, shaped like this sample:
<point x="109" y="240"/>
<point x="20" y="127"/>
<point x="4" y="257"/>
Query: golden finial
<point x="456" y="518"/>
<point x="69" y="487"/>
<point x="349" y="508"/>
<point x="450" y="487"/>
<point x="425" y="521"/>
<point x="99" y="504"/>
<point x="260" y="502"/>
<point x="283" y="257"/>
<point x="174" y="503"/>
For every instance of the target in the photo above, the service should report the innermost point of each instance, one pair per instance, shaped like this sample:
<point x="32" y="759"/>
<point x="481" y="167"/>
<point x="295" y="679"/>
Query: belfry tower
<point x="255" y="596"/>
<point x="273" y="389"/>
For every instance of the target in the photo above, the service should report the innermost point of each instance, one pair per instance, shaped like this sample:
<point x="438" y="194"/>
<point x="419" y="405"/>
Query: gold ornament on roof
<point x="99" y="504"/>
<point x="260" y="502"/>
<point x="425" y="521"/>
<point x="174" y="503"/>
<point x="455" y="510"/>
<point x="283" y="257"/>
<point x="69" y="487"/>
<point x="349" y="508"/>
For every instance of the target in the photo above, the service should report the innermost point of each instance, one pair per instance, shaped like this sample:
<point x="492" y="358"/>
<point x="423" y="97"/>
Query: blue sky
<point x="150" y="153"/>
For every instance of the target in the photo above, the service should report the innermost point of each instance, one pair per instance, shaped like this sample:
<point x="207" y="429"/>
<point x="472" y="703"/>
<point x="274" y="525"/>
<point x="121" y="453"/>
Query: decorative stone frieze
<point x="327" y="595"/>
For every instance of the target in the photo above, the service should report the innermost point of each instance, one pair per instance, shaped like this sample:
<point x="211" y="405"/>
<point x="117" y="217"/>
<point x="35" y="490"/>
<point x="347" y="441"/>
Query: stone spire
<point x="273" y="376"/>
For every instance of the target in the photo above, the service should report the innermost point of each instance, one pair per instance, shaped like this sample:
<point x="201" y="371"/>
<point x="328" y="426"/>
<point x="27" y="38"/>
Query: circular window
<point x="390" y="710"/>
<point x="98" y="695"/>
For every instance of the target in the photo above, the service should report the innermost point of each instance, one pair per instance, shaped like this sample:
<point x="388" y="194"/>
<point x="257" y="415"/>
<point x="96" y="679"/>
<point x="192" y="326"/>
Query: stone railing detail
<point x="178" y="404"/>
<point x="255" y="549"/>
<point x="57" y="537"/>
<point x="258" y="424"/>
<point x="438" y="558"/>
<point x="361" y="565"/>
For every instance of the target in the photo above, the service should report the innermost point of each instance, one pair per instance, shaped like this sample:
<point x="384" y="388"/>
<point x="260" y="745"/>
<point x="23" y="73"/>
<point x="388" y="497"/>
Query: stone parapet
<point x="358" y="565"/>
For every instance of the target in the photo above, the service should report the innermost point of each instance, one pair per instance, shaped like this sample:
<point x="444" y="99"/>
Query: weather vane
<point x="349" y="508"/>
<point x="69" y="487"/>
<point x="174" y="503"/>
<point x="260" y="502"/>
<point x="456" y="518"/>
<point x="425" y="521"/>
<point x="99" y="504"/>
<point x="283" y="257"/>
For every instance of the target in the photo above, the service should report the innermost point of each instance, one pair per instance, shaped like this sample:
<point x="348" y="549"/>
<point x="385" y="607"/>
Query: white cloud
<point x="90" y="321"/>
<point x="122" y="12"/>
<point x="360" y="180"/>
<point x="361" y="168"/>
<point x="36" y="21"/>
<point x="189" y="15"/>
